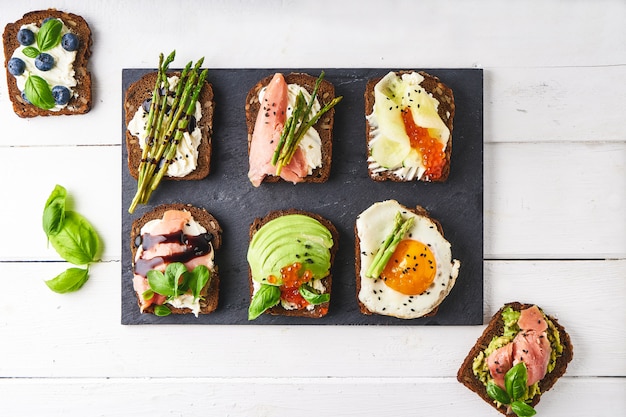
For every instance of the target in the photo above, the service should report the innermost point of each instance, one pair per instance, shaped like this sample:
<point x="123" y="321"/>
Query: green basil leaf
<point x="68" y="281"/>
<point x="162" y="310"/>
<point x="312" y="295"/>
<point x="177" y="277"/>
<point x="38" y="92"/>
<point x="49" y="35"/>
<point x="77" y="242"/>
<point x="159" y="283"/>
<point x="31" y="52"/>
<point x="497" y="393"/>
<point x="198" y="279"/>
<point x="54" y="211"/>
<point x="266" y="297"/>
<point x="515" y="381"/>
<point x="522" y="409"/>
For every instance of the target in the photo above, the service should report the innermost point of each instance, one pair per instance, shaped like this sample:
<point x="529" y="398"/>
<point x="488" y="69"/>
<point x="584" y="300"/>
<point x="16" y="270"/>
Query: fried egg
<point x="419" y="274"/>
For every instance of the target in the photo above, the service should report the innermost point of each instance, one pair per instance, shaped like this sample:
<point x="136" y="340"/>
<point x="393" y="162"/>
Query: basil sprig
<point x="38" y="92"/>
<point x="176" y="281"/>
<point x="48" y="37"/>
<point x="74" y="239"/>
<point x="266" y="297"/>
<point x="515" y="383"/>
<point x="313" y="296"/>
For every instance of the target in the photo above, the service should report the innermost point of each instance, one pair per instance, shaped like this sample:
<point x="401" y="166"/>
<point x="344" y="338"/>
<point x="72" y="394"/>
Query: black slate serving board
<point x="229" y="196"/>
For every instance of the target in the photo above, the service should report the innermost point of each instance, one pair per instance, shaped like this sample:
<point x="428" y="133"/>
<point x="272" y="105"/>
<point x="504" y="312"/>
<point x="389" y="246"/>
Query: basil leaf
<point x="159" y="283"/>
<point x="497" y="393"/>
<point x="54" y="211"/>
<point x="515" y="381"/>
<point x="198" y="279"/>
<point x="267" y="296"/>
<point x="49" y="35"/>
<point x="312" y="295"/>
<point x="38" y="92"/>
<point x="77" y="242"/>
<point x="70" y="280"/>
<point x="31" y="52"/>
<point x="522" y="409"/>
<point x="162" y="311"/>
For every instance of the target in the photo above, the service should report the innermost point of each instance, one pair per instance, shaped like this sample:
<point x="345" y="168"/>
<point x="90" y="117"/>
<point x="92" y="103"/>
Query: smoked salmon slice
<point x="268" y="128"/>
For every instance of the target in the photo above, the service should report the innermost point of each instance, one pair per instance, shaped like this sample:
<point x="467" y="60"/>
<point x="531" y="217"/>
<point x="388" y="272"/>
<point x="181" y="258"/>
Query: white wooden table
<point x="554" y="213"/>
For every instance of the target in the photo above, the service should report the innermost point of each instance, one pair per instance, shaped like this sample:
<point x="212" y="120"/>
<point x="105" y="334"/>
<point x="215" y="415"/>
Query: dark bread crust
<point x="442" y="93"/>
<point x="210" y="223"/>
<point x="319" y="310"/>
<point x="77" y="25"/>
<point x="465" y="375"/>
<point x="420" y="211"/>
<point x="141" y="90"/>
<point x="324" y="126"/>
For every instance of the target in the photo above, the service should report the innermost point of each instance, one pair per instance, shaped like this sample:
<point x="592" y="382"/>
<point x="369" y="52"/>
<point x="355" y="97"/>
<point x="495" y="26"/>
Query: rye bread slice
<point x="465" y="375"/>
<point x="141" y="90"/>
<point x="420" y="211"/>
<point x="210" y="223"/>
<point x="79" y="104"/>
<point x="324" y="126"/>
<point x="446" y="109"/>
<point x="319" y="310"/>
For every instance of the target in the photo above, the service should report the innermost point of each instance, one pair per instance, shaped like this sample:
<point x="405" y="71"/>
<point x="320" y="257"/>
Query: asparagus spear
<point x="400" y="227"/>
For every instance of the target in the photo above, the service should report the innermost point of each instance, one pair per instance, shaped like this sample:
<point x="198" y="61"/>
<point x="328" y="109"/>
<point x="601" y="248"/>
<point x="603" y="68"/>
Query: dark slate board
<point x="230" y="197"/>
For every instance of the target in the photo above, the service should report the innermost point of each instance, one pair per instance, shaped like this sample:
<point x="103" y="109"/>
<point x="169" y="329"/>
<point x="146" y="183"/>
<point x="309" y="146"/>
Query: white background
<point x="554" y="214"/>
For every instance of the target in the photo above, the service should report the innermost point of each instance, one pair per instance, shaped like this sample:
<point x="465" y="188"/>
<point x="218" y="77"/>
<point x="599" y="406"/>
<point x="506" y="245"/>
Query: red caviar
<point x="431" y="149"/>
<point x="292" y="279"/>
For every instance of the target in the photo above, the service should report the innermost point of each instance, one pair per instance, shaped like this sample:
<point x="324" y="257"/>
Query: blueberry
<point x="61" y="94"/>
<point x="69" y="42"/>
<point x="16" y="66"/>
<point x="46" y="19"/>
<point x="44" y="62"/>
<point x="25" y="37"/>
<point x="26" y="100"/>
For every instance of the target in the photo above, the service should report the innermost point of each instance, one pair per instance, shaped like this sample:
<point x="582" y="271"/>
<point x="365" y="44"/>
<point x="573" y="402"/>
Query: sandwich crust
<point x="465" y="374"/>
<point x="324" y="126"/>
<point x="319" y="310"/>
<point x="141" y="90"/>
<point x="446" y="110"/>
<point x="210" y="293"/>
<point x="77" y="105"/>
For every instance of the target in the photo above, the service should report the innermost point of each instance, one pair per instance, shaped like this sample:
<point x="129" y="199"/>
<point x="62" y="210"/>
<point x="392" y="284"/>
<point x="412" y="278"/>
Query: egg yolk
<point x="411" y="269"/>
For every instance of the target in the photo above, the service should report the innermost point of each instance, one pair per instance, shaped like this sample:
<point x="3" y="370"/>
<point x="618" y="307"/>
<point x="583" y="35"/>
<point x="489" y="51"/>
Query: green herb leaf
<point x="38" y="92"/>
<point x="497" y="393"/>
<point x="49" y="35"/>
<point x="515" y="381"/>
<point x="54" y="211"/>
<point x="31" y="51"/>
<point x="312" y="295"/>
<point x="77" y="241"/>
<point x="162" y="311"/>
<point x="159" y="283"/>
<point x="70" y="280"/>
<point x="198" y="279"/>
<point x="169" y="284"/>
<point x="147" y="294"/>
<point x="522" y="409"/>
<point x="266" y="297"/>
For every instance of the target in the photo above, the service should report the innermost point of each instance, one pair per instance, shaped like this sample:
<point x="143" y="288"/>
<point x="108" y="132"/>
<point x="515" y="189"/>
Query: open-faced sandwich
<point x="404" y="266"/>
<point x="290" y="128"/>
<point x="174" y="270"/>
<point x="409" y="119"/>
<point x="290" y="256"/>
<point x="169" y="119"/>
<point x="46" y="53"/>
<point x="520" y="355"/>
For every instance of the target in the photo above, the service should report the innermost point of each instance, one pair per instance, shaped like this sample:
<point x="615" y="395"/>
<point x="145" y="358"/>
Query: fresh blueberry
<point x="61" y="94"/>
<point x="26" y="100"/>
<point x="46" y="19"/>
<point x="16" y="66"/>
<point x="69" y="41"/>
<point x="44" y="62"/>
<point x="25" y="37"/>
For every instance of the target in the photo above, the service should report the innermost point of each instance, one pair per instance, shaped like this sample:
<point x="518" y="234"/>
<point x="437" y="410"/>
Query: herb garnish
<point x="515" y="383"/>
<point x="266" y="297"/>
<point x="385" y="251"/>
<point x="176" y="280"/>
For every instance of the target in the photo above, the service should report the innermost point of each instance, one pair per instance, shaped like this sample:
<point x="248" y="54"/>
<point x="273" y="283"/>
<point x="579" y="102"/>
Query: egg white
<point x="373" y="226"/>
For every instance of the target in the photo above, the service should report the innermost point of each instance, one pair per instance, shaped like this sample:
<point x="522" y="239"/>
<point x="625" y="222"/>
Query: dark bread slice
<point x="141" y="90"/>
<point x="319" y="310"/>
<point x="324" y="126"/>
<point x="210" y="223"/>
<point x="446" y="110"/>
<point x="76" y="24"/>
<point x="419" y="210"/>
<point x="465" y="375"/>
